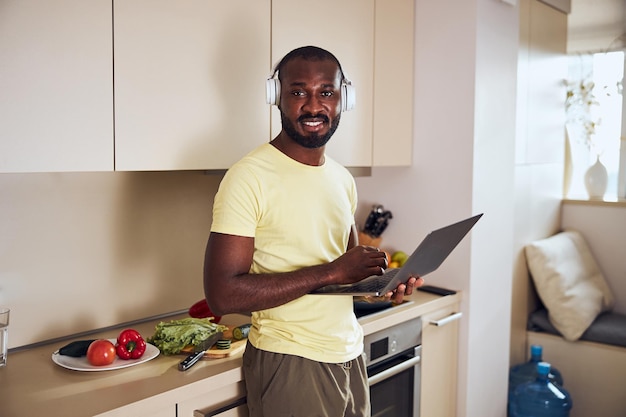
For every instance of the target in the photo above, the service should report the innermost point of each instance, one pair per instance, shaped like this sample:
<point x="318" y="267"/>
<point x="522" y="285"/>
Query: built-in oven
<point x="393" y="357"/>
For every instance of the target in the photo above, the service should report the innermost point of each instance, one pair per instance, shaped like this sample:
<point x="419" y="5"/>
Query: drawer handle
<point x="446" y="320"/>
<point x="217" y="412"/>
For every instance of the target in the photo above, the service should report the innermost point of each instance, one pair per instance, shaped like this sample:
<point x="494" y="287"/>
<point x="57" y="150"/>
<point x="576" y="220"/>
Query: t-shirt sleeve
<point x="236" y="204"/>
<point x="354" y="199"/>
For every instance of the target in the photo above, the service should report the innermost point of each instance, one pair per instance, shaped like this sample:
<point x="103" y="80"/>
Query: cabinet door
<point x="143" y="408"/>
<point x="439" y="362"/>
<point x="189" y="82"/>
<point x="56" y="83"/>
<point x="228" y="400"/>
<point x="346" y="29"/>
<point x="393" y="82"/>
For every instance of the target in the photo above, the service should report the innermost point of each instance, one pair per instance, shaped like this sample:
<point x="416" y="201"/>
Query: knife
<point x="377" y="221"/>
<point x="198" y="351"/>
<point x="370" y="222"/>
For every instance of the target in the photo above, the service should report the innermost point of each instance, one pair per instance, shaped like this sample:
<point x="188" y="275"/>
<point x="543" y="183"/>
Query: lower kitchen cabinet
<point x="226" y="401"/>
<point x="165" y="412"/>
<point x="146" y="407"/>
<point x="201" y="399"/>
<point x="440" y="329"/>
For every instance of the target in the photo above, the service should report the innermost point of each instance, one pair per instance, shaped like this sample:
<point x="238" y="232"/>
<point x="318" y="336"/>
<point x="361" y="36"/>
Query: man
<point x="283" y="225"/>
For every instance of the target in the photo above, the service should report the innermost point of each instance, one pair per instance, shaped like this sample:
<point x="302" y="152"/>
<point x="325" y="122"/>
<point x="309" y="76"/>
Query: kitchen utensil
<point x="236" y="346"/>
<point x="377" y="221"/>
<point x="198" y="351"/>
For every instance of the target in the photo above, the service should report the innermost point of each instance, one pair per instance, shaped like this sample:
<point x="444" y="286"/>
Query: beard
<point x="313" y="140"/>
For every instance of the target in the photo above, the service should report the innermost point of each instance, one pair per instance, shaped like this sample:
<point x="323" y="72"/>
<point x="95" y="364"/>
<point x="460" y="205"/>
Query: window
<point x="595" y="113"/>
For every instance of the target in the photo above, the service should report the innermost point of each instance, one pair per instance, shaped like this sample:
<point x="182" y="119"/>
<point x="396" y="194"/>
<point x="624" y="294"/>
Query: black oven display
<point x="379" y="349"/>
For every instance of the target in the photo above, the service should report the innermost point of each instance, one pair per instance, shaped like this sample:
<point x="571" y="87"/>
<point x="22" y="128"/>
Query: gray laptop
<point x="426" y="258"/>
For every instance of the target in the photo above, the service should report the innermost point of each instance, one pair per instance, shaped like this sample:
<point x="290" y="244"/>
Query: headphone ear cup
<point x="348" y="96"/>
<point x="272" y="91"/>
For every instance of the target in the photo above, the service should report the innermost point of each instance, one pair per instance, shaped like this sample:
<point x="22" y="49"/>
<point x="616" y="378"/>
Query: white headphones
<point x="272" y="90"/>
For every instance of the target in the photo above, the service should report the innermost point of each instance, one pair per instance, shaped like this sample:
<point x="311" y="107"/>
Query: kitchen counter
<point x="33" y="385"/>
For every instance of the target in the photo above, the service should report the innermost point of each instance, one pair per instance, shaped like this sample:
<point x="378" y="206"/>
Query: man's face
<point x="310" y="101"/>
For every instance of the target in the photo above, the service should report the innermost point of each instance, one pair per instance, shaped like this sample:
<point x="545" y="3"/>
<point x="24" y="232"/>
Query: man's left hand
<point x="398" y="294"/>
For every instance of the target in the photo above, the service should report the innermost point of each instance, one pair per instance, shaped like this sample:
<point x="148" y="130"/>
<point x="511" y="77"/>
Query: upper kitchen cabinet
<point x="346" y="30"/>
<point x="374" y="41"/>
<point x="189" y="82"/>
<point x="153" y="85"/>
<point x="56" y="83"/>
<point x="393" y="82"/>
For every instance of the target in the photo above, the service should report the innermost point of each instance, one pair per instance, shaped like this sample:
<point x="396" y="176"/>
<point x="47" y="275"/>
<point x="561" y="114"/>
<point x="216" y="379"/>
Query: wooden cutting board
<point x="236" y="346"/>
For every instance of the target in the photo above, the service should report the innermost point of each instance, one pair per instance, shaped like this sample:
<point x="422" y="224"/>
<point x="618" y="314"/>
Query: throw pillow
<point x="569" y="282"/>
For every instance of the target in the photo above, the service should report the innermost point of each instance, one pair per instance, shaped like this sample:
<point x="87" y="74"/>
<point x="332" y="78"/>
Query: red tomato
<point x="101" y="352"/>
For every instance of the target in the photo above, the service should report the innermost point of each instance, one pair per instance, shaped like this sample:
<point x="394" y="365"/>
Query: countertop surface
<point x="32" y="384"/>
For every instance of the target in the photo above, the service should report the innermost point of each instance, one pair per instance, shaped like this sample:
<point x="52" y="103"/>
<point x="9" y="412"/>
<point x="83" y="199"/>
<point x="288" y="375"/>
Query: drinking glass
<point x="4" y="334"/>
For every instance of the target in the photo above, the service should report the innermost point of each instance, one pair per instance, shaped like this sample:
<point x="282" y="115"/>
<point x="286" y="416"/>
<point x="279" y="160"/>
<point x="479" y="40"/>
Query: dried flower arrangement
<point x="578" y="105"/>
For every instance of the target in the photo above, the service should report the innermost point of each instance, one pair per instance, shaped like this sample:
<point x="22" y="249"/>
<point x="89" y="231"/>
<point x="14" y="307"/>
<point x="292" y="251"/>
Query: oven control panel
<point x="393" y="340"/>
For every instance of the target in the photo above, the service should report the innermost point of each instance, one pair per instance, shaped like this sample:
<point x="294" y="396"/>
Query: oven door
<point x="395" y="385"/>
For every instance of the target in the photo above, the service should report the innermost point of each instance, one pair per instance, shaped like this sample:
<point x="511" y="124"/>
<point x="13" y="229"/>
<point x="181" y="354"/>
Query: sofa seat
<point x="608" y="328"/>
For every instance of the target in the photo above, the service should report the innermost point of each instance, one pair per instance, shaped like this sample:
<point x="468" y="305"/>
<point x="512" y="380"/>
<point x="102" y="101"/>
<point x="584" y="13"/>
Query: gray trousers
<point x="290" y="386"/>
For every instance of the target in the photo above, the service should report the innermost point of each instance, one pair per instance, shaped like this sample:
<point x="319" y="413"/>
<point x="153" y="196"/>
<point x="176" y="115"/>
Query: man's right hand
<point x="359" y="263"/>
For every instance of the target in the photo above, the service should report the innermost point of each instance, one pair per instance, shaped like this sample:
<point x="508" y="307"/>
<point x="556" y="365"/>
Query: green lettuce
<point x="174" y="336"/>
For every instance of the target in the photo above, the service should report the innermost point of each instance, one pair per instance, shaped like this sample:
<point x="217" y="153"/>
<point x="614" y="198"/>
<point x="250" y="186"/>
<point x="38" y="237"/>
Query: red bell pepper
<point x="201" y="310"/>
<point x="130" y="345"/>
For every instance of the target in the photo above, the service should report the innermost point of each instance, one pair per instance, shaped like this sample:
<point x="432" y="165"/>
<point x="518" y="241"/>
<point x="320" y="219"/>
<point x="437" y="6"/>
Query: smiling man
<point x="315" y="120"/>
<point x="283" y="226"/>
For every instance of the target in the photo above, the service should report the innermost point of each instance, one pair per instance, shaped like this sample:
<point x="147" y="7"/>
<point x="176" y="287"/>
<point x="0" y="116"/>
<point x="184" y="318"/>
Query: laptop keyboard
<point x="373" y="285"/>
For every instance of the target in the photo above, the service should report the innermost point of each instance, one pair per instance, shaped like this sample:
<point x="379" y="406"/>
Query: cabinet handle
<point x="218" y="411"/>
<point x="446" y="320"/>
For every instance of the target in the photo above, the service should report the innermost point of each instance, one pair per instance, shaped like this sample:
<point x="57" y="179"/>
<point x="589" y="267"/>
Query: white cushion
<point x="569" y="282"/>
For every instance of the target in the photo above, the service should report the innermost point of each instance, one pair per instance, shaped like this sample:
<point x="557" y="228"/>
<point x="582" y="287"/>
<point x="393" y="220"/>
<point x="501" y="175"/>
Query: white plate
<point x="81" y="364"/>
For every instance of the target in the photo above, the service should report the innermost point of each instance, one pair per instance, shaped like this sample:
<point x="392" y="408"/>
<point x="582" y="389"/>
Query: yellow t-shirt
<point x="299" y="216"/>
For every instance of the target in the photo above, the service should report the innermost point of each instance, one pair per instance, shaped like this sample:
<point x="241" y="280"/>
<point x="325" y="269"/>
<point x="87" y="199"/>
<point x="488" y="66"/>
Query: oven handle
<point x="388" y="373"/>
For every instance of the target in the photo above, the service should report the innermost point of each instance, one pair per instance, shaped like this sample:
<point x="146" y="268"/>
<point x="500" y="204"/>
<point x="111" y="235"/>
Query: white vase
<point x="596" y="179"/>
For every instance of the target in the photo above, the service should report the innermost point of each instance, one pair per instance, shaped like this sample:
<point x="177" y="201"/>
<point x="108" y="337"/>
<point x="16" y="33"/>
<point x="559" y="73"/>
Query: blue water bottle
<point x="527" y="372"/>
<point x="541" y="398"/>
